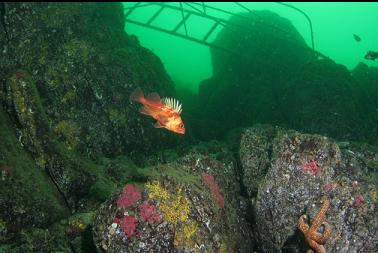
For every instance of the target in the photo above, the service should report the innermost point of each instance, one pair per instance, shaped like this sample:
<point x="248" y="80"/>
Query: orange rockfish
<point x="166" y="111"/>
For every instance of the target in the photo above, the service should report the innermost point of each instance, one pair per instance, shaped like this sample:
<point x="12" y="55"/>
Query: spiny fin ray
<point x="173" y="104"/>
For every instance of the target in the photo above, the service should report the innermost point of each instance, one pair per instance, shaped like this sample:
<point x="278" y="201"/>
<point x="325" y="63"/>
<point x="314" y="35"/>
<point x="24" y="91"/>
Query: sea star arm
<point x="326" y="233"/>
<point x="319" y="217"/>
<point x="316" y="246"/>
<point x="302" y="224"/>
<point x="315" y="239"/>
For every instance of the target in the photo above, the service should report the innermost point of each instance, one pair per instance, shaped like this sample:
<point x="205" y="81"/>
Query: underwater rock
<point x="57" y="65"/>
<point x="85" y="66"/>
<point x="278" y="80"/>
<point x="368" y="81"/>
<point x="191" y="205"/>
<point x="367" y="78"/>
<point x="295" y="171"/>
<point x="28" y="199"/>
<point x="268" y="45"/>
<point x="67" y="71"/>
<point x="255" y="155"/>
<point x="67" y="235"/>
<point x="246" y="87"/>
<point x="324" y="99"/>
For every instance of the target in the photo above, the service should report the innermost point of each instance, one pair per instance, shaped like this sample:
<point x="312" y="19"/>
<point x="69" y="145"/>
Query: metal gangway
<point x="202" y="10"/>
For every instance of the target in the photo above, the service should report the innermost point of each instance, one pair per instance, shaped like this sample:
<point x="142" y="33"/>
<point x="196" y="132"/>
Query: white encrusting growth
<point x="173" y="103"/>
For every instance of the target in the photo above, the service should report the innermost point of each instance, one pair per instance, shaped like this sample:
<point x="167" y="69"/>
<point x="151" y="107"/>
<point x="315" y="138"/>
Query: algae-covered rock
<point x="245" y="88"/>
<point x="191" y="205"/>
<point x="67" y="71"/>
<point x="255" y="155"/>
<point x="265" y="42"/>
<point x="295" y="171"/>
<point x="67" y="235"/>
<point x="368" y="80"/>
<point x="277" y="79"/>
<point x="324" y="99"/>
<point x="85" y="67"/>
<point x="28" y="198"/>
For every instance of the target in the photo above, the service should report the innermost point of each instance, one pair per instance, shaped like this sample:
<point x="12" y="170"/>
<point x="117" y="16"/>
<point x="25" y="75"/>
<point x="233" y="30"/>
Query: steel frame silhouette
<point x="200" y="9"/>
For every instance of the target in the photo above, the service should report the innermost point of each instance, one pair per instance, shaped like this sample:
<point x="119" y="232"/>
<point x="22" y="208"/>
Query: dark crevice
<point x="72" y="248"/>
<point x="240" y="176"/>
<point x="292" y="242"/>
<point x="2" y="20"/>
<point x="12" y="114"/>
<point x="251" y="211"/>
<point x="250" y="217"/>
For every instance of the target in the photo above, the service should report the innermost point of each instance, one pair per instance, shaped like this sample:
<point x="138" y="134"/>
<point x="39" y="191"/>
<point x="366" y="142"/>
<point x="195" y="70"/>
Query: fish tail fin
<point x="137" y="95"/>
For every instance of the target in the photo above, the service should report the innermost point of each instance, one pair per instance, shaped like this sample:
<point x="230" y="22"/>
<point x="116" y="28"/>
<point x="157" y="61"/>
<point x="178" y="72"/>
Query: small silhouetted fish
<point x="356" y="38"/>
<point x="371" y="55"/>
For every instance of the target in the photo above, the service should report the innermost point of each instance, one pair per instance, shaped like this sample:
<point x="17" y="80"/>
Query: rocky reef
<point x="247" y="193"/>
<point x="191" y="205"/>
<point x="275" y="78"/>
<point x="82" y="171"/>
<point x="287" y="173"/>
<point x="68" y="130"/>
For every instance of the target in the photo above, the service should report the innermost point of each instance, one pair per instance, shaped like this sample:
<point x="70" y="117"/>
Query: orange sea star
<point x="315" y="239"/>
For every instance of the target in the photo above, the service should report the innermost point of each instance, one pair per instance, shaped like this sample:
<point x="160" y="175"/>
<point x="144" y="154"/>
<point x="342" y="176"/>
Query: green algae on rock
<point x="61" y="117"/>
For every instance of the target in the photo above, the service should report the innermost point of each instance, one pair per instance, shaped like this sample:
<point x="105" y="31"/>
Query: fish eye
<point x="181" y="125"/>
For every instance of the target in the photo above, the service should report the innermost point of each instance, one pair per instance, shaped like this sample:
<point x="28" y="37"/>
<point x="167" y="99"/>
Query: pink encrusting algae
<point x="129" y="196"/>
<point x="128" y="225"/>
<point x="210" y="181"/>
<point x="149" y="213"/>
<point x="358" y="200"/>
<point x="312" y="167"/>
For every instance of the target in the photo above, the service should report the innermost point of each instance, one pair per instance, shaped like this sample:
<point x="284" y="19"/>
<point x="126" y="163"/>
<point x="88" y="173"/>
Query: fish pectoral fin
<point x="144" y="110"/>
<point x="158" y="125"/>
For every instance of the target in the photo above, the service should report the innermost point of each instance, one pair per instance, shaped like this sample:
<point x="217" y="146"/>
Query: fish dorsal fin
<point x="173" y="104"/>
<point x="153" y="97"/>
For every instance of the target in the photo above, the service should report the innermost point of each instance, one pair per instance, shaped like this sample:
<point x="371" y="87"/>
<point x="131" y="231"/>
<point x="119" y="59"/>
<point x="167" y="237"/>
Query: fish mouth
<point x="180" y="131"/>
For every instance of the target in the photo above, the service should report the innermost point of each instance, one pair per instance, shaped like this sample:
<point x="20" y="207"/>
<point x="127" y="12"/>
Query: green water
<point x="334" y="24"/>
<point x="89" y="165"/>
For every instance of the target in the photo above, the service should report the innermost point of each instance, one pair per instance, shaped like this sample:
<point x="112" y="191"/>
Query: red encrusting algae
<point x="210" y="181"/>
<point x="358" y="200"/>
<point x="149" y="213"/>
<point x="129" y="196"/>
<point x="128" y="225"/>
<point x="312" y="167"/>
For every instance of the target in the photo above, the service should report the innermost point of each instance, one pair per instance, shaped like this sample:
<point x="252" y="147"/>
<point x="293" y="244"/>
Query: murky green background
<point x="334" y="24"/>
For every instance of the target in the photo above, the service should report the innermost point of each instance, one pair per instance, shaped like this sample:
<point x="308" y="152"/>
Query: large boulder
<point x="191" y="205"/>
<point x="295" y="171"/>
<point x="84" y="67"/>
<point x="67" y="125"/>
<point x="67" y="73"/>
<point x="277" y="79"/>
<point x="368" y="80"/>
<point x="27" y="197"/>
<point x="264" y="42"/>
<point x="324" y="99"/>
<point x="246" y="86"/>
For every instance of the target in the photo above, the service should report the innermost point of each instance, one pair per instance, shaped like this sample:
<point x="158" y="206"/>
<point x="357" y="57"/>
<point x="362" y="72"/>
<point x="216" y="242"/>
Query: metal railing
<point x="202" y="10"/>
